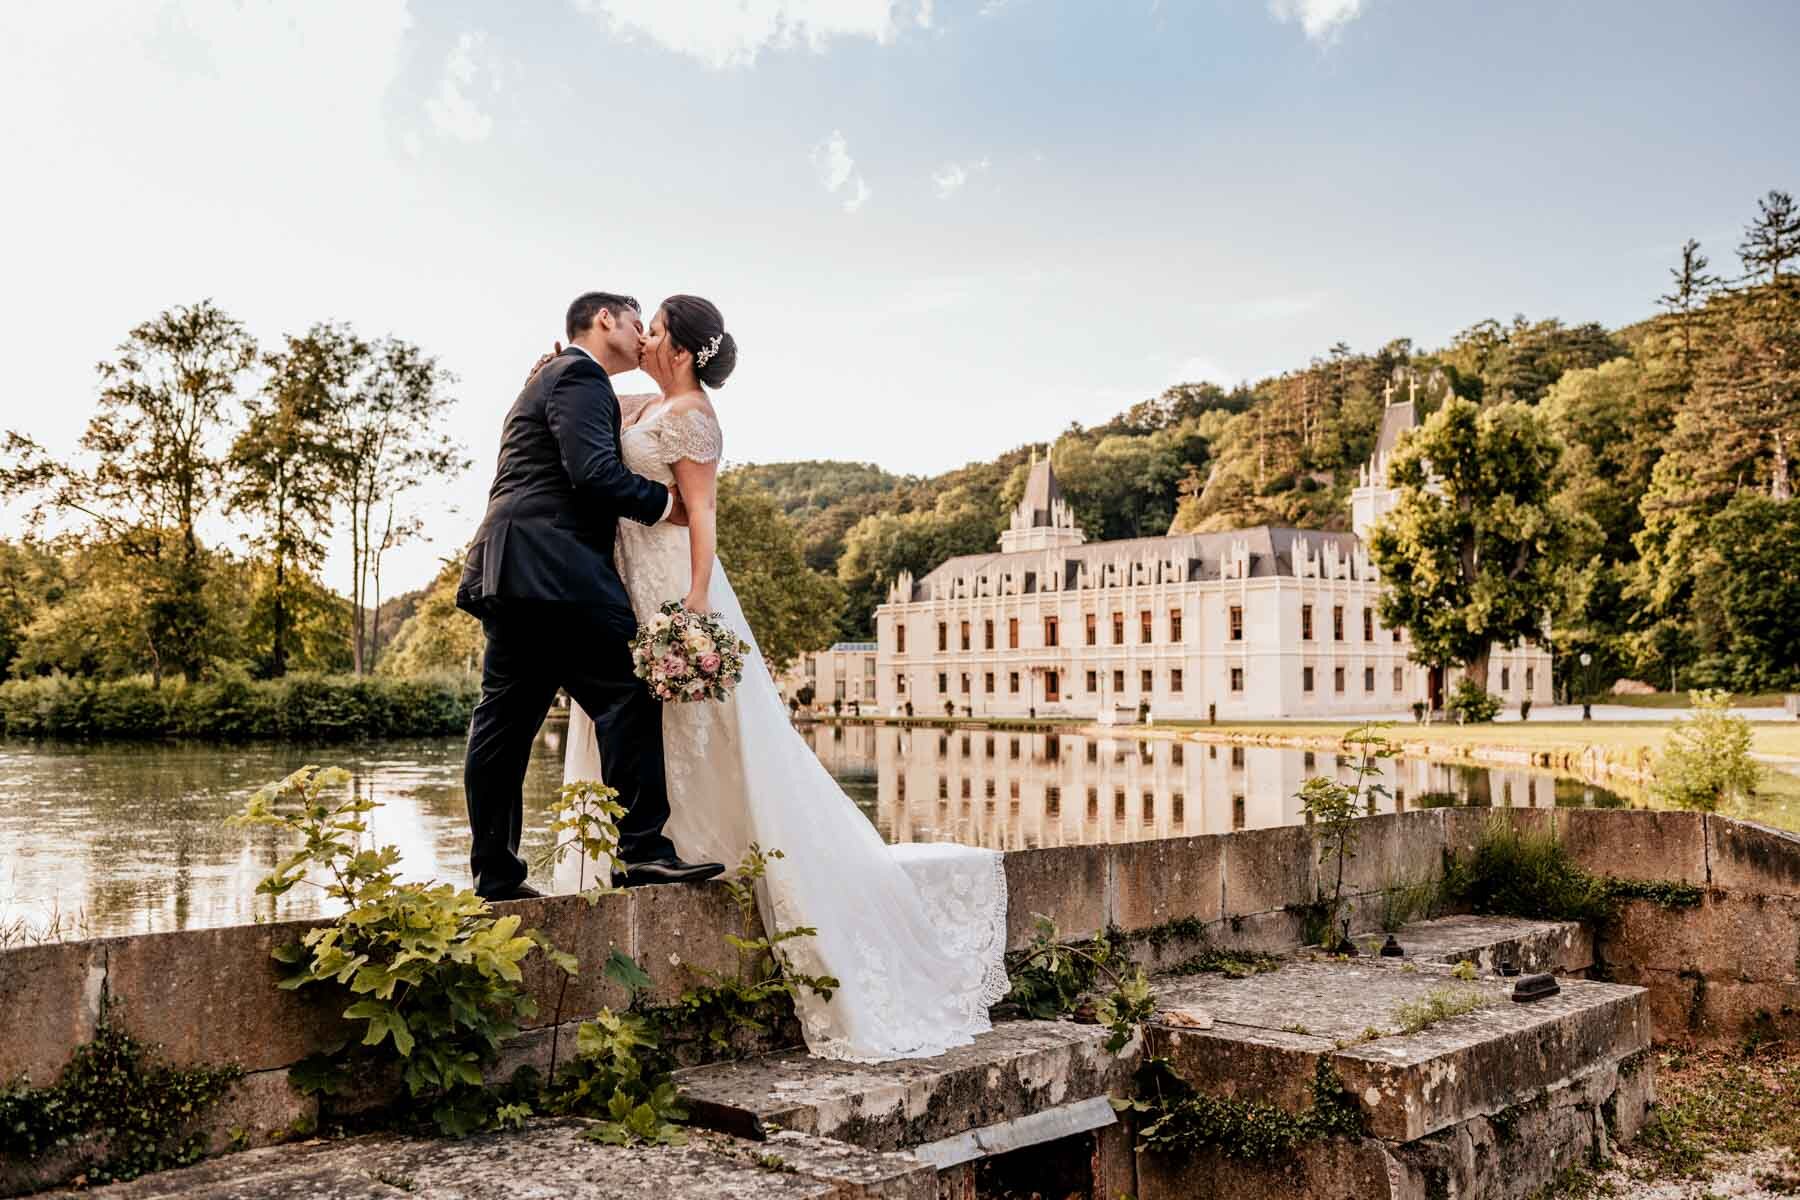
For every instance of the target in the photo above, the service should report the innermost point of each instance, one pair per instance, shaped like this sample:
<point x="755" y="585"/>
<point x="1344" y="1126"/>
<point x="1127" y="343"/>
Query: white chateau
<point x="1243" y="624"/>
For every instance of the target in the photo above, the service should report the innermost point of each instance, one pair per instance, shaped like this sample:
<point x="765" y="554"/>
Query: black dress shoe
<point x="522" y="891"/>
<point x="666" y="870"/>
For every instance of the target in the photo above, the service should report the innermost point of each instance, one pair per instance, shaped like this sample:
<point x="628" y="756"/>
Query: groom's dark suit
<point x="541" y="577"/>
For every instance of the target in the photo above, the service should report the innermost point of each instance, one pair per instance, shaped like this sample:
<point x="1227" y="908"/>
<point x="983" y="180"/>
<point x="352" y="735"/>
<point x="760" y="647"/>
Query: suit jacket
<point x="559" y="491"/>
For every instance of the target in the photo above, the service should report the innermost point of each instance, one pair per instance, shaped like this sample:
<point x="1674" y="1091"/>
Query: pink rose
<point x="672" y="664"/>
<point x="709" y="664"/>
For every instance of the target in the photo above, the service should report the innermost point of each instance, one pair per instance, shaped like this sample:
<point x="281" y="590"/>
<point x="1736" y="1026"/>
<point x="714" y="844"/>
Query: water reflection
<point x="1013" y="791"/>
<point x="128" y="839"/>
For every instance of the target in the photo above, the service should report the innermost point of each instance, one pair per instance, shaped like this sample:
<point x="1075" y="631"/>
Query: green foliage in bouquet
<point x="433" y="976"/>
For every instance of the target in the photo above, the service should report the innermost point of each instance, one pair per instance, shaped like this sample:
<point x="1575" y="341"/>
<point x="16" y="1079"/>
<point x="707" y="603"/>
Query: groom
<point x="540" y="577"/>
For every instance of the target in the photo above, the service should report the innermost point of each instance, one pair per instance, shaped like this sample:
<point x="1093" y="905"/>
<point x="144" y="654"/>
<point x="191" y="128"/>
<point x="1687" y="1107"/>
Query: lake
<point x="115" y="838"/>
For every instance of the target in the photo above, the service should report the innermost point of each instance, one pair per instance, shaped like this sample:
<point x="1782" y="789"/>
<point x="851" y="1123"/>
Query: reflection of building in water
<point x="1016" y="790"/>
<point x="846" y="672"/>
<point x="1260" y="622"/>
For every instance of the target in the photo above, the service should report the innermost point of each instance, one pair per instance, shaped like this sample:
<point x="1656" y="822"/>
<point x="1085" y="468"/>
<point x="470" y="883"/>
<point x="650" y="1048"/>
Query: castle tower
<point x="1372" y="497"/>
<point x="1043" y="519"/>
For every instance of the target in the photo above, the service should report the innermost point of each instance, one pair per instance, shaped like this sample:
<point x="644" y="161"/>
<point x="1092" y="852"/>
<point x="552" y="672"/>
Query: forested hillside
<point x="1679" y="430"/>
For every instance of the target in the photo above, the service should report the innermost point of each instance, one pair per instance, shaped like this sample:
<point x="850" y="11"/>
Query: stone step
<point x="1556" y="947"/>
<point x="544" y="1160"/>
<point x="1019" y="1070"/>
<point x="1261" y="1038"/>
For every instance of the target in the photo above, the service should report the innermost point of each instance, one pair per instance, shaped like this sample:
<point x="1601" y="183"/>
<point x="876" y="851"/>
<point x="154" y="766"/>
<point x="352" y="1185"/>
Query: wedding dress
<point x="915" y="934"/>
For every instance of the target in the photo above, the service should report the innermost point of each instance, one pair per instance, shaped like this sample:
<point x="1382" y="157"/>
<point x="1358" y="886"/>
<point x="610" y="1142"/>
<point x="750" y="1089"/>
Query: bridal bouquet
<point x="686" y="655"/>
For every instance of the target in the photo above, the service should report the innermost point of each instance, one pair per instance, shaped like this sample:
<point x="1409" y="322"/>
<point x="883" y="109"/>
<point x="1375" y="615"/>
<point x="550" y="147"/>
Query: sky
<point x="938" y="229"/>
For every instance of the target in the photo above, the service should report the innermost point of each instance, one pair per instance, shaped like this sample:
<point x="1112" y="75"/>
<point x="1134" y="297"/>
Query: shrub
<point x="235" y="708"/>
<point x="431" y="974"/>
<point x="1472" y="704"/>
<point x="1707" y="760"/>
<point x="1518" y="874"/>
<point x="1331" y="808"/>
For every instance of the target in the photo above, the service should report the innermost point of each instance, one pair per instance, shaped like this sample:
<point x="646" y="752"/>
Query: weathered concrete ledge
<point x="1718" y="969"/>
<point x="546" y="1159"/>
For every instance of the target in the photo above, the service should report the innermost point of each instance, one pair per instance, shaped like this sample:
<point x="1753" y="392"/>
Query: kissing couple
<point x="914" y="934"/>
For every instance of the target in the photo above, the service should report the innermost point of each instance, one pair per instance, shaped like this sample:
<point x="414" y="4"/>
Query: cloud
<point x="452" y="111"/>
<point x="950" y="178"/>
<point x="732" y="34"/>
<point x="1321" y="20"/>
<point x="837" y="171"/>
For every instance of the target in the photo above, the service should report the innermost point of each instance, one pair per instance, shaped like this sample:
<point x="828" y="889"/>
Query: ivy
<point x="143" y="1113"/>
<point x="1176" y="1119"/>
<point x="1050" y="979"/>
<point x="758" y="996"/>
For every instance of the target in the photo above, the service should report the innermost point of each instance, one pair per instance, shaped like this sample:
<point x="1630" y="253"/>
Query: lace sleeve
<point x="693" y="435"/>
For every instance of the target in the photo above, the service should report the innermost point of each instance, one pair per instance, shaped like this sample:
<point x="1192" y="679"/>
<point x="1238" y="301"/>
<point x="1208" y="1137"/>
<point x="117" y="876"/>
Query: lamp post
<point x="1587" y="686"/>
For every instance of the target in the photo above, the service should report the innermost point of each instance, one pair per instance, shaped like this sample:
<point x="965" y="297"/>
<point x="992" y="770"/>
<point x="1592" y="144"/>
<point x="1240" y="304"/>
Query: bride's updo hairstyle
<point x="695" y="325"/>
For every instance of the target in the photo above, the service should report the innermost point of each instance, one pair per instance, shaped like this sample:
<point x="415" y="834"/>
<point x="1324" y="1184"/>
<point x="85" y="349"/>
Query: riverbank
<point x="295" y="708"/>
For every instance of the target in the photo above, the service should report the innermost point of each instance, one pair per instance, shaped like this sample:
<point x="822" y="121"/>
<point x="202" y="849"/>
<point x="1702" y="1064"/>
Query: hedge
<point x="297" y="708"/>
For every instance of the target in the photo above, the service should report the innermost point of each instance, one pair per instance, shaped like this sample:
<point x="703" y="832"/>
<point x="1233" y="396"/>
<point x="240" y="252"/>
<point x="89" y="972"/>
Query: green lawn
<point x="1681" y="700"/>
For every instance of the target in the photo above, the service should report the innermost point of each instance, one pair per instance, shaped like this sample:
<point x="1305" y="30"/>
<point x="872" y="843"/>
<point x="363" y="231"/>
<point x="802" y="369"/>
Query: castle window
<point x="899" y="638"/>
<point x="1237" y="679"/>
<point x="965" y="683"/>
<point x="1306" y="679"/>
<point x="943" y="788"/>
<point x="965" y="789"/>
<point x="1396" y="636"/>
<point x="1093" y="631"/>
<point x="1012" y="635"/>
<point x="1049" y="631"/>
<point x="1177" y="755"/>
<point x="1306" y="622"/>
<point x="1237" y="810"/>
<point x="1012" y="748"/>
<point x="1012" y="684"/>
<point x="965" y="635"/>
<point x="1146" y="682"/>
<point x="1149" y="807"/>
<point x="1237" y="758"/>
<point x="1506" y="679"/>
<point x="943" y="683"/>
<point x="1093" y="799"/>
<point x="1052" y="686"/>
<point x="1337" y="622"/>
<point x="1529" y="672"/>
<point x="1368" y="624"/>
<point x="1236" y="623"/>
<point x="943" y="637"/>
<point x="1118" y="681"/>
<point x="987" y="790"/>
<point x="987" y="683"/>
<point x="1144" y="627"/>
<point x="1399" y="680"/>
<point x="1093" y="681"/>
<point x="1118" y="629"/>
<point x="1118" y="804"/>
<point x="1052" y="800"/>
<point x="1093" y="751"/>
<point x="1368" y="679"/>
<point x="943" y="745"/>
<point x="987" y="635"/>
<point x="1337" y="680"/>
<point x="1174" y="624"/>
<point x="1012" y="792"/>
<point x="1177" y="802"/>
<point x="1175" y="684"/>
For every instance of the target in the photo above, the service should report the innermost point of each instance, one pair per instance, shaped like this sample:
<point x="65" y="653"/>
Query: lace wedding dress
<point x="915" y="934"/>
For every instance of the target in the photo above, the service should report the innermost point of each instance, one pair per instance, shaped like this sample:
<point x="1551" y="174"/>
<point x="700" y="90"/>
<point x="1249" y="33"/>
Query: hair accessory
<point x="712" y="348"/>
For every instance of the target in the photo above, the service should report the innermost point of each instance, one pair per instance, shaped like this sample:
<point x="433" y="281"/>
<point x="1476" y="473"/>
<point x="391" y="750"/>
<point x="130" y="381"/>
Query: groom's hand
<point x="678" y="514"/>
<point x="539" y="365"/>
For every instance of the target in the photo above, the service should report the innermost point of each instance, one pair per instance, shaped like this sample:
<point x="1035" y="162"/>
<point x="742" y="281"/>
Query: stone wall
<point x="1722" y="970"/>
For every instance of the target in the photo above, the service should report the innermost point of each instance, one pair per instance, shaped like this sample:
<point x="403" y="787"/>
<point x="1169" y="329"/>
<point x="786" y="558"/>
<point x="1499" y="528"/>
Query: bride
<point x="914" y="934"/>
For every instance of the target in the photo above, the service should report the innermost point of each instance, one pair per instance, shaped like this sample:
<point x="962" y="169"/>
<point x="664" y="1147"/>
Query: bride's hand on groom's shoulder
<point x="539" y="364"/>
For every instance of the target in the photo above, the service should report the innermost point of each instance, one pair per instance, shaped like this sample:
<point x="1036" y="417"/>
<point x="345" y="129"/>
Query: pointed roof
<point x="1041" y="494"/>
<point x="1396" y="419"/>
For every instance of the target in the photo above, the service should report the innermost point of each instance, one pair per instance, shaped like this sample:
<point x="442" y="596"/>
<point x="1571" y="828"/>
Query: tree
<point x="282" y="463"/>
<point x="1686" y="301"/>
<point x="791" y="608"/>
<point x="1773" y="239"/>
<point x="1747" y="604"/>
<point x="32" y="578"/>
<point x="438" y="636"/>
<point x="1706" y="762"/>
<point x="156" y="470"/>
<point x="1471" y="554"/>
<point x="389" y="438"/>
